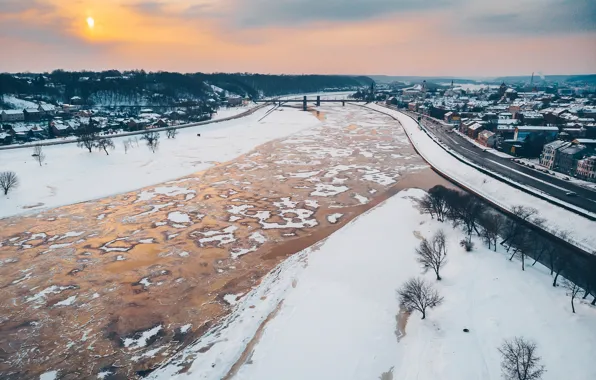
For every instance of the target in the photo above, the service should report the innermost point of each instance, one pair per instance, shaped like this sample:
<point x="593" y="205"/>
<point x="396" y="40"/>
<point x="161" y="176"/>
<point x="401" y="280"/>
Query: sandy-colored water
<point x="119" y="284"/>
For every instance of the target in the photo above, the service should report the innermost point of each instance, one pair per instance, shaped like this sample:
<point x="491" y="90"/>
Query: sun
<point x="90" y="22"/>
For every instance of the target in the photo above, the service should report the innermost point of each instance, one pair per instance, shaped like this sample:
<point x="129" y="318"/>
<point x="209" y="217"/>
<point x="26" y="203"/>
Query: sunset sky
<point x="394" y="37"/>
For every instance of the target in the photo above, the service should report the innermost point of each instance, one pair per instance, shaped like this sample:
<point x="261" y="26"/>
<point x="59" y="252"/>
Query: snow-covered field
<point x="331" y="312"/>
<point x="580" y="229"/>
<point x="19" y="104"/>
<point x="71" y="174"/>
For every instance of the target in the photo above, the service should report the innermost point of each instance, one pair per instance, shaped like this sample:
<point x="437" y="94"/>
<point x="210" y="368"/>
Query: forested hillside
<point x="139" y="87"/>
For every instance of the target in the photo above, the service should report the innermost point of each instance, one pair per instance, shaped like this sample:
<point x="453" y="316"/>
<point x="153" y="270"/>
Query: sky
<point x="473" y="38"/>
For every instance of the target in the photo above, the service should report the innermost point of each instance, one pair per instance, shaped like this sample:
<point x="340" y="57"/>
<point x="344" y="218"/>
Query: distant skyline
<point x="456" y="38"/>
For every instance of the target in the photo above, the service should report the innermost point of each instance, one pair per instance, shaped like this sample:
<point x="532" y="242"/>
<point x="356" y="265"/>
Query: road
<point x="554" y="187"/>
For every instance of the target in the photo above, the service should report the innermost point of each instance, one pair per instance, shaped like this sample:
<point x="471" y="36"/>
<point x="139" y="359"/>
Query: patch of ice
<point x="41" y="296"/>
<point x="58" y="246"/>
<point x="326" y="190"/>
<point x="333" y="218"/>
<point x="141" y="341"/>
<point x="101" y="216"/>
<point x="178" y="217"/>
<point x="170" y="191"/>
<point x="312" y="203"/>
<point x="285" y="203"/>
<point x="51" y="375"/>
<point x="146" y="241"/>
<point x="145" y="282"/>
<point x="67" y="302"/>
<point x="258" y="237"/>
<point x="237" y="252"/>
<point x="183" y="254"/>
<point x="232" y="299"/>
<point x="103" y="374"/>
<point x="361" y="199"/>
<point x="304" y="174"/>
<point x="185" y="328"/>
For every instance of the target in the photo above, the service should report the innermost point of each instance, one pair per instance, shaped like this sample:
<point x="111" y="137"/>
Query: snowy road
<point x="134" y="277"/>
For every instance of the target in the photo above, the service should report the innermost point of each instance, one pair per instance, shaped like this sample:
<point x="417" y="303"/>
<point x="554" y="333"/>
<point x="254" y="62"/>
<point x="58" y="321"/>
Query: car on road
<point x="571" y="194"/>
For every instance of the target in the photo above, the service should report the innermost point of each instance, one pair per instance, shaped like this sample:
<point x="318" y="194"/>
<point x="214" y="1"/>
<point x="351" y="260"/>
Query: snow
<point x="338" y="318"/>
<point x="494" y="190"/>
<point x="19" y="104"/>
<point x="185" y="328"/>
<point x="71" y="174"/>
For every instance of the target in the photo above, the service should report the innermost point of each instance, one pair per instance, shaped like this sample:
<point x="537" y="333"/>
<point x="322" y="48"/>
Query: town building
<point x="586" y="169"/>
<point x="567" y="157"/>
<point x="32" y="114"/>
<point x="12" y="115"/>
<point x="487" y="138"/>
<point x="549" y="152"/>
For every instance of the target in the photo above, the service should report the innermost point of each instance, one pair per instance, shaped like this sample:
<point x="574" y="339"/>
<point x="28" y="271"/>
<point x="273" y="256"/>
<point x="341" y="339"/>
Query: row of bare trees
<point x="89" y="139"/>
<point x="517" y="234"/>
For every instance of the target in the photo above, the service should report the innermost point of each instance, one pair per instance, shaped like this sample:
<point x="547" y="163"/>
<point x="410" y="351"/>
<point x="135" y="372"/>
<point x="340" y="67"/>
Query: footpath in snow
<point x="71" y="174"/>
<point x="557" y="219"/>
<point x="331" y="312"/>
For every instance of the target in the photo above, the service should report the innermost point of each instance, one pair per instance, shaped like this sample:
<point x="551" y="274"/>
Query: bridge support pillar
<point x="343" y="103"/>
<point x="304" y="104"/>
<point x="318" y="100"/>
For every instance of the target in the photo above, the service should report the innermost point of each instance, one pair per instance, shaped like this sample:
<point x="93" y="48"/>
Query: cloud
<point x="148" y="7"/>
<point x="263" y="13"/>
<point x="19" y="6"/>
<point x="535" y="17"/>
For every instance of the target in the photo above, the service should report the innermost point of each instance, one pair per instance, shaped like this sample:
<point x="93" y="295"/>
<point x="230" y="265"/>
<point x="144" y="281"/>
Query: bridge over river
<point x="305" y="100"/>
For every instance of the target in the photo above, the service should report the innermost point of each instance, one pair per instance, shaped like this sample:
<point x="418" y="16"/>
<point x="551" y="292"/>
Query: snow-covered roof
<point x="475" y="126"/>
<point x="47" y="107"/>
<point x="12" y="112"/>
<point x="585" y="141"/>
<point x="486" y="134"/>
<point x="557" y="144"/>
<point x="527" y="128"/>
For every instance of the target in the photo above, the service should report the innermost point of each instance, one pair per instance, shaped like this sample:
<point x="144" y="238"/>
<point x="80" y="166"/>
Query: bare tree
<point x="87" y="140"/>
<point x="559" y="262"/>
<point x="104" y="143"/>
<point x="574" y="290"/>
<point x="439" y="241"/>
<point x="523" y="244"/>
<point x="38" y="153"/>
<point x="152" y="140"/>
<point x="171" y="132"/>
<point x="416" y="294"/>
<point x="8" y="181"/>
<point x="514" y="227"/>
<point x="467" y="210"/>
<point x="492" y="225"/>
<point x="437" y="196"/>
<point x="432" y="254"/>
<point x="126" y="144"/>
<point x="520" y="361"/>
